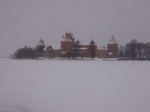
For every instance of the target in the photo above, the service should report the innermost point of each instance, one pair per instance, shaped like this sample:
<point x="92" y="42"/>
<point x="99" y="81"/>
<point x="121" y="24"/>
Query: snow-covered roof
<point x="84" y="42"/>
<point x="83" y="48"/>
<point x="112" y="41"/>
<point x="69" y="37"/>
<point x="102" y="48"/>
<point x="66" y="39"/>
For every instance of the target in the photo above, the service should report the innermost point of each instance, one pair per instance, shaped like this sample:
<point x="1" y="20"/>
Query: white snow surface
<point x="74" y="86"/>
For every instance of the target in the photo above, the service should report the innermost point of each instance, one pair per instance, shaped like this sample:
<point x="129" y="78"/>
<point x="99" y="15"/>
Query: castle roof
<point x="84" y="42"/>
<point x="69" y="37"/>
<point x="92" y="42"/>
<point x="41" y="43"/>
<point x="112" y="41"/>
<point x="102" y="48"/>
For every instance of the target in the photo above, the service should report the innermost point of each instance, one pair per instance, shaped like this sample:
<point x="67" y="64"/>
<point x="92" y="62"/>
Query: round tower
<point x="40" y="46"/>
<point x="112" y="47"/>
<point x="92" y="49"/>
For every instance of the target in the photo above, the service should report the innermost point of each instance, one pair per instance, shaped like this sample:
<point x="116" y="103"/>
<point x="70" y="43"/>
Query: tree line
<point x="28" y="53"/>
<point x="134" y="50"/>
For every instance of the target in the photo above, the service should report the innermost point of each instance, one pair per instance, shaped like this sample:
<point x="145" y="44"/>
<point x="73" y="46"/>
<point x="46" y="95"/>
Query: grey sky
<point x="23" y="22"/>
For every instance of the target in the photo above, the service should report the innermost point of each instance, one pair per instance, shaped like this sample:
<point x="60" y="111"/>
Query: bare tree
<point x="25" y="52"/>
<point x="147" y="49"/>
<point x="131" y="50"/>
<point x="139" y="48"/>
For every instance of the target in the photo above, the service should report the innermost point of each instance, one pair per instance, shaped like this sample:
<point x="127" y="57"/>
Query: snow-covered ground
<point x="74" y="86"/>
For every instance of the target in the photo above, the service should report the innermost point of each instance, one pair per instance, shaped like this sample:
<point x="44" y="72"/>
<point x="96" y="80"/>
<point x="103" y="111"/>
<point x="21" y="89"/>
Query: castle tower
<point x="112" y="47"/>
<point x="92" y="49"/>
<point x="40" y="45"/>
<point x="67" y="42"/>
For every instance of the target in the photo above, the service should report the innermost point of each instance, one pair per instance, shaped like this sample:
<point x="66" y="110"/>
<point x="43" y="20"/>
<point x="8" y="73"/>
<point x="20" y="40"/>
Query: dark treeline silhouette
<point x="135" y="51"/>
<point x="25" y="52"/>
<point x="28" y="53"/>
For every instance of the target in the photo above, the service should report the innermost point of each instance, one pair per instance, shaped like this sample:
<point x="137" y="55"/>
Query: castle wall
<point x="83" y="53"/>
<point x="53" y="54"/>
<point x="102" y="54"/>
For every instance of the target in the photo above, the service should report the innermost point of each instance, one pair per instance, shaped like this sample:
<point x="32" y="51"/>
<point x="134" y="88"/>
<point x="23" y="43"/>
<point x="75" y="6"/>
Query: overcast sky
<point x="24" y="22"/>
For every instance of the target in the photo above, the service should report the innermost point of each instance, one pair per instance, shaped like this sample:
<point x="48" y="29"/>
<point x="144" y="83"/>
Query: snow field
<point x="74" y="86"/>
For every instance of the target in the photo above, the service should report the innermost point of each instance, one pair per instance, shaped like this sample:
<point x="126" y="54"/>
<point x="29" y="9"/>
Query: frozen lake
<point x="74" y="86"/>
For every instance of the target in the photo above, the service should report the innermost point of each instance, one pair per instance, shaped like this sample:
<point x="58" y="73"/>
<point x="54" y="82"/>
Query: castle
<point x="68" y="45"/>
